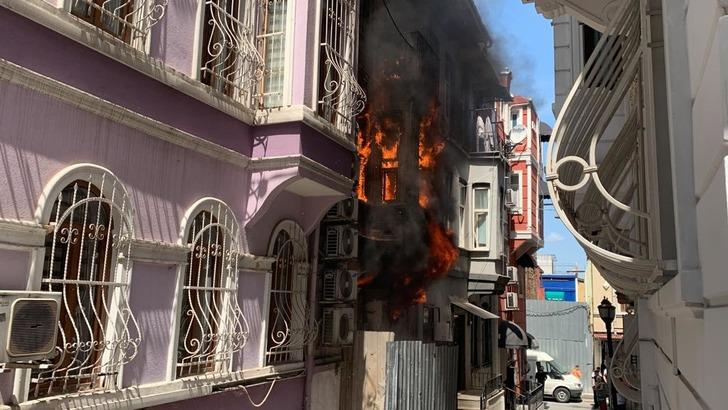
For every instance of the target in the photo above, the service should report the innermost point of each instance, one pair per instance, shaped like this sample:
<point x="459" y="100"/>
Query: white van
<point x="560" y="384"/>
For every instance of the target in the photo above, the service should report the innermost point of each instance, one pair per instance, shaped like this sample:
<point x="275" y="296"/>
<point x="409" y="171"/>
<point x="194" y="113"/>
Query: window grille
<point x="212" y="325"/>
<point x="87" y="259"/>
<point x="288" y="319"/>
<point x="231" y="64"/>
<point x="129" y="20"/>
<point x="271" y="42"/>
<point x="341" y="97"/>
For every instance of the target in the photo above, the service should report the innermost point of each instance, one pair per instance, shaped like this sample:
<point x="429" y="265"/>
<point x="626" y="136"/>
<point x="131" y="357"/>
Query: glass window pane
<point x="481" y="198"/>
<point x="481" y="229"/>
<point x="463" y="194"/>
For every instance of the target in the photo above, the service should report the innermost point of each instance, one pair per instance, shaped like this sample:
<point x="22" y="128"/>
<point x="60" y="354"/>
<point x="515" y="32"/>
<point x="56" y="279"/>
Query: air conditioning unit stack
<point x="511" y="301"/>
<point x="346" y="209"/>
<point x="341" y="241"/>
<point x="28" y="325"/>
<point x="338" y="326"/>
<point x="512" y="273"/>
<point x="339" y="286"/>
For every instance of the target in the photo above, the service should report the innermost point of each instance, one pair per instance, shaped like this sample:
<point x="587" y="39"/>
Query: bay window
<point x="481" y="215"/>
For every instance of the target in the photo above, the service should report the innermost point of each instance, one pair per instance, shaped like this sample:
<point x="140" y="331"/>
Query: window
<point x="230" y="62"/>
<point x="480" y="214"/>
<point x="514" y="119"/>
<point x="211" y="325"/>
<point x="271" y="43"/>
<point x="340" y="96"/>
<point x="128" y="20"/>
<point x="515" y="190"/>
<point x="87" y="258"/>
<point x="481" y="354"/>
<point x="289" y="329"/>
<point x="590" y="38"/>
<point x="462" y="201"/>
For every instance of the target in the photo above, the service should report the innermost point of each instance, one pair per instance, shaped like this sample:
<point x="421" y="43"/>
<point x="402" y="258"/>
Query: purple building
<point x="165" y="167"/>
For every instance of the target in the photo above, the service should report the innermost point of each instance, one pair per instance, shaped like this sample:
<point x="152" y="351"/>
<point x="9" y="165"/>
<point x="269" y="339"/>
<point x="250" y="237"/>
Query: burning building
<point x="432" y="221"/>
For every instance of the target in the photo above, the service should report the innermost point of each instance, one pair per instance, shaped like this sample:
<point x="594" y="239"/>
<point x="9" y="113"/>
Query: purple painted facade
<point x="191" y="150"/>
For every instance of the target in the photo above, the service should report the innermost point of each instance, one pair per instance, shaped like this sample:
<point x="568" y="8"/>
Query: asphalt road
<point x="552" y="405"/>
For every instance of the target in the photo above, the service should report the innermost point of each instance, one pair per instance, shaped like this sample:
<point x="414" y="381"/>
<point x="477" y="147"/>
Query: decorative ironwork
<point x="212" y="325"/>
<point x="598" y="185"/>
<point x="87" y="259"/>
<point x="129" y="20"/>
<point x="289" y="328"/>
<point x="231" y="63"/>
<point x="624" y="370"/>
<point x="341" y="96"/>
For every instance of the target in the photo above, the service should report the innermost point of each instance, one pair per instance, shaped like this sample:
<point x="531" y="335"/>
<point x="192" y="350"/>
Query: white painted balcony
<point x="596" y="172"/>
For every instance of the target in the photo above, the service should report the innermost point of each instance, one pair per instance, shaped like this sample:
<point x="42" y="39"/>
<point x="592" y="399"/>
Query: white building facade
<point x="637" y="169"/>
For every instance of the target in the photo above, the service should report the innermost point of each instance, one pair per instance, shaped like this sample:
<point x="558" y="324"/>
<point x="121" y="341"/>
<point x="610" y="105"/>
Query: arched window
<point x="288" y="317"/>
<point x="211" y="324"/>
<point x="86" y="258"/>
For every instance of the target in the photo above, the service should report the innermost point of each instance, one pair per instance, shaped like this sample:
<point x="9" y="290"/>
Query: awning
<point x="532" y="341"/>
<point x="511" y="336"/>
<point x="471" y="308"/>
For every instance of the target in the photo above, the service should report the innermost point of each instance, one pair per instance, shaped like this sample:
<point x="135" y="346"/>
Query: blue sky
<point x="523" y="42"/>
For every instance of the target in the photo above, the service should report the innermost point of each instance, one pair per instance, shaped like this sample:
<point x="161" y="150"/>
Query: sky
<point x="523" y="41"/>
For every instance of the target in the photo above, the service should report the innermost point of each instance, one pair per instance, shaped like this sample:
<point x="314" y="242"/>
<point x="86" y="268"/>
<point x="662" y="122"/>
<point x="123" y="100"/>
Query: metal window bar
<point x="231" y="64"/>
<point x="212" y="325"/>
<point x="288" y="331"/>
<point x="129" y="20"/>
<point x="341" y="98"/>
<point x="87" y="259"/>
<point x="270" y="37"/>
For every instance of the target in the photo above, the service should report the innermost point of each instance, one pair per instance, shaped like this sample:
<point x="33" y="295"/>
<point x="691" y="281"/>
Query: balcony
<point x="596" y="177"/>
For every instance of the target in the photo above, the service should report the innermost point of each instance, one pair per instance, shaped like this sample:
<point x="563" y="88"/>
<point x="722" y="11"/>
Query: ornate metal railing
<point x="231" y="63"/>
<point x="624" y="368"/>
<point x="341" y="98"/>
<point x="87" y="258"/>
<point x="129" y="20"/>
<point x="490" y="387"/>
<point x="289" y="321"/>
<point x="212" y="326"/>
<point x="598" y="185"/>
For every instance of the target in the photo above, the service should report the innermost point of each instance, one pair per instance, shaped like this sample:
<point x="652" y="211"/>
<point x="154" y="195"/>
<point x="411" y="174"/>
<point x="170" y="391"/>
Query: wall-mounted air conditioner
<point x="346" y="209"/>
<point x="512" y="273"/>
<point x="511" y="301"/>
<point x="339" y="286"/>
<point x="340" y="241"/>
<point x="337" y="326"/>
<point x="28" y="325"/>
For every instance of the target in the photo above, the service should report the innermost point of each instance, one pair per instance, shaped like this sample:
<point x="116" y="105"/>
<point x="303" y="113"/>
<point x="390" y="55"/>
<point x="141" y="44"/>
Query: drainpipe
<point x="311" y="345"/>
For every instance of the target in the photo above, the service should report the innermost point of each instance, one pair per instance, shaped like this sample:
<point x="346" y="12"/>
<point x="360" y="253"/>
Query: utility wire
<point x="562" y="312"/>
<point x="386" y="6"/>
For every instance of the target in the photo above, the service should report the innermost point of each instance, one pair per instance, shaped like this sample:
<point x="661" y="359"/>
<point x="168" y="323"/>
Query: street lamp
<point x="607" y="312"/>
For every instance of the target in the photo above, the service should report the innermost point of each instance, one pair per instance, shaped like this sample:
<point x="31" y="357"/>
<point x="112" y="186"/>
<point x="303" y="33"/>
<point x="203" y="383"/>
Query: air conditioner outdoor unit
<point x="341" y="241"/>
<point x="28" y="325"/>
<point x="511" y="301"/>
<point x="512" y="273"/>
<point x="339" y="285"/>
<point x="338" y="326"/>
<point x="346" y="209"/>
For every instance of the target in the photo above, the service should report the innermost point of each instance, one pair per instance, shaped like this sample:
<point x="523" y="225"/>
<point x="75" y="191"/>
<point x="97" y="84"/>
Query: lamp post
<point x="607" y="312"/>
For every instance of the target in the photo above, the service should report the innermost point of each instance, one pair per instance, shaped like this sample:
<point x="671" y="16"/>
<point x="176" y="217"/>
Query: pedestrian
<point x="540" y="374"/>
<point x="597" y="384"/>
<point x="576" y="372"/>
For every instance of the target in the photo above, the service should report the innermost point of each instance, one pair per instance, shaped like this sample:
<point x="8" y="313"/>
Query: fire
<point x="443" y="253"/>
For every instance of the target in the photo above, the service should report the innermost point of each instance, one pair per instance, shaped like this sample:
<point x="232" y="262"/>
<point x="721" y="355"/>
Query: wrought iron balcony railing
<point x="597" y="181"/>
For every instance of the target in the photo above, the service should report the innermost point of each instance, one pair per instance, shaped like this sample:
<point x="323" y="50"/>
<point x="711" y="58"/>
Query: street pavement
<point x="552" y="405"/>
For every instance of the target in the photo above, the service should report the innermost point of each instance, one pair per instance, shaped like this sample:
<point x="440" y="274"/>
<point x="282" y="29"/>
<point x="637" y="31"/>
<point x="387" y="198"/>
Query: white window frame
<point x="478" y="211"/>
<point x="153" y="12"/>
<point x="519" y="196"/>
<point x="287" y="320"/>
<point x="462" y="210"/>
<point x="117" y="331"/>
<point x="231" y="327"/>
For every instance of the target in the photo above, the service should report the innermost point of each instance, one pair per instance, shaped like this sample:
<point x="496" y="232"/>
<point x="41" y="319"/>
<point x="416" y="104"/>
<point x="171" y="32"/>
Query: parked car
<point x="561" y="385"/>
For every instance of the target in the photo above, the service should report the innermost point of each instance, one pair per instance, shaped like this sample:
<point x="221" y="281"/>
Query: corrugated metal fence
<point x="562" y="330"/>
<point x="421" y="376"/>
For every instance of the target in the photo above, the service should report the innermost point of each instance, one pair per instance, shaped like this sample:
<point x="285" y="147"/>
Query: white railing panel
<point x="129" y="20"/>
